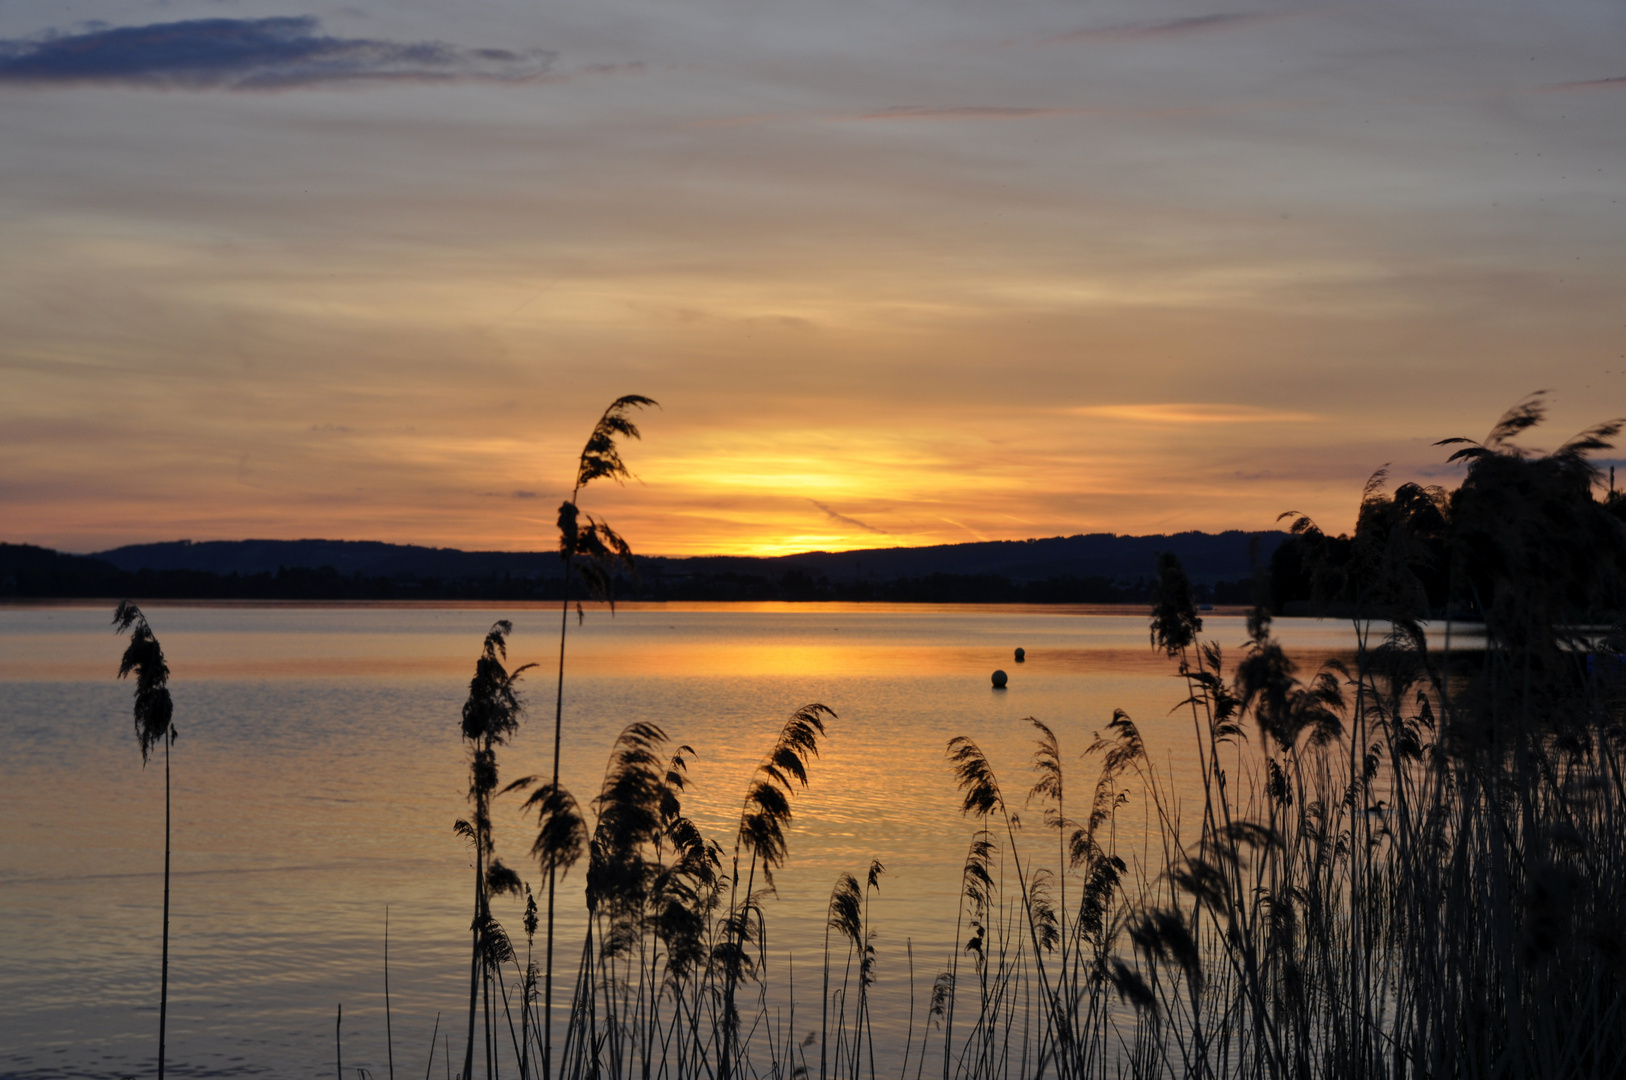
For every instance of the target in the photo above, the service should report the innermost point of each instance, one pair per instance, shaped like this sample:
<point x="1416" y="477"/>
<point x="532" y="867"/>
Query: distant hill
<point x="369" y="558"/>
<point x="1207" y="558"/>
<point x="27" y="570"/>
<point x="1099" y="568"/>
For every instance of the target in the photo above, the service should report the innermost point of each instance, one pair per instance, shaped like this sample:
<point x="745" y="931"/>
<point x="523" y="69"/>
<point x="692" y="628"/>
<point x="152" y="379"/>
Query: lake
<point x="319" y="769"/>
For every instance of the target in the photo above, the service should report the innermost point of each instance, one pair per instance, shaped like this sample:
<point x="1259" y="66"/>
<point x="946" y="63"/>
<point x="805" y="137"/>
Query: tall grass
<point x="1407" y="862"/>
<point x="591" y="548"/>
<point x="490" y="716"/>
<point x="675" y="926"/>
<point x="154" y="725"/>
<point x="1411" y="864"/>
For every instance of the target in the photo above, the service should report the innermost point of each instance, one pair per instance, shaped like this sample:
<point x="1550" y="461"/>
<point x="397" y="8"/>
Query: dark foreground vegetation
<point x="1408" y="863"/>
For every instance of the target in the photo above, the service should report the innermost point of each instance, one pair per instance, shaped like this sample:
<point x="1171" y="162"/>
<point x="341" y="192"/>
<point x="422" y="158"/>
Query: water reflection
<point x="319" y="770"/>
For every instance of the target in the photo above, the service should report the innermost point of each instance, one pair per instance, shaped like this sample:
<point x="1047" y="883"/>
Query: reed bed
<point x="1410" y="863"/>
<point x="1406" y="863"/>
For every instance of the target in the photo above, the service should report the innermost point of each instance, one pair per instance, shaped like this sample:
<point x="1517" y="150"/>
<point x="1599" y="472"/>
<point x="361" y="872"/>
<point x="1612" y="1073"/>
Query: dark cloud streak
<point x="1617" y="82"/>
<point x="1194" y="24"/>
<point x="843" y="519"/>
<point x="962" y="112"/>
<point x="250" y="54"/>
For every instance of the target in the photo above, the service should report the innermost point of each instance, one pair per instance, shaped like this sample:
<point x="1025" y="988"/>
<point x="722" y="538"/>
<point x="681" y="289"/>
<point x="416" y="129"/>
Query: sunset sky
<point x="898" y="273"/>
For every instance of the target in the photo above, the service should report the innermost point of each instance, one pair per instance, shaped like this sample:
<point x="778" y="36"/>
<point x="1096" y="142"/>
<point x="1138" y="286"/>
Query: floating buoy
<point x="999" y="680"/>
<point x="1021" y="656"/>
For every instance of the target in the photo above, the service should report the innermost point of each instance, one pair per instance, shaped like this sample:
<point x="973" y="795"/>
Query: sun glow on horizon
<point x="998" y="473"/>
<point x="1120" y="284"/>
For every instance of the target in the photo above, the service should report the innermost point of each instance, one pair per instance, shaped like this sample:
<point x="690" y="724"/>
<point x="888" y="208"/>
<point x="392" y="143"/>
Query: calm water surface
<point x="319" y="770"/>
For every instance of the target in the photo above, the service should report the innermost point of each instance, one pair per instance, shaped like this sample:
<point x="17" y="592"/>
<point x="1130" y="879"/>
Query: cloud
<point x="1191" y="413"/>
<point x="843" y="519"/>
<point x="1193" y="24"/>
<point x="961" y="112"/>
<point x="1617" y="82"/>
<point x="250" y="54"/>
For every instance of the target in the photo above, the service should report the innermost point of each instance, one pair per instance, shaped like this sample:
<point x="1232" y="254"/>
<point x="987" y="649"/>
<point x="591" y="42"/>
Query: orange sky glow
<point x="896" y="276"/>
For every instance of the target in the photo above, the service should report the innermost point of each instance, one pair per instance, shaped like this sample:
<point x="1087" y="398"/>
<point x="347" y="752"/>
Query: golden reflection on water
<point x="409" y="640"/>
<point x="319" y="769"/>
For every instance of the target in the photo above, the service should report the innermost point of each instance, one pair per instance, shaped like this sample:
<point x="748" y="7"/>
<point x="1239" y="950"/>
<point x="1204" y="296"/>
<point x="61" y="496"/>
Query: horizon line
<point x="641" y="555"/>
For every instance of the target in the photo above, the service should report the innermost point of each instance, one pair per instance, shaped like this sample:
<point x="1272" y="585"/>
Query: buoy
<point x="1021" y="656"/>
<point x="999" y="680"/>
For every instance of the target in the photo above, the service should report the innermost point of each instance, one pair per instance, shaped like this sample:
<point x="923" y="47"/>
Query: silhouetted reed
<point x="1415" y="867"/>
<point x="490" y="715"/>
<point x="1408" y="862"/>
<point x="670" y="936"/>
<point x="591" y="548"/>
<point x="154" y="725"/>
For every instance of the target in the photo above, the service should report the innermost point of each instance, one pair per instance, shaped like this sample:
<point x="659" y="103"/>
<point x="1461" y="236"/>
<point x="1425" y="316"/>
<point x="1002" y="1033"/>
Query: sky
<point x="898" y="273"/>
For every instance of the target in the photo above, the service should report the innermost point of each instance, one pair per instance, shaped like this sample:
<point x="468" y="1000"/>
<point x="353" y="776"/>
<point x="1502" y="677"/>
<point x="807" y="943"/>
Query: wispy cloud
<point x="250" y="54"/>
<point x="1191" y="413"/>
<point x="961" y="525"/>
<point x="947" y="113"/>
<point x="843" y="519"/>
<point x="1192" y="24"/>
<point x="961" y="112"/>
<point x="1617" y="82"/>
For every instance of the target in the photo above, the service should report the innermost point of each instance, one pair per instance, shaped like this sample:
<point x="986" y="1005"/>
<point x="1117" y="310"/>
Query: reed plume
<point x="1408" y="861"/>
<point x="591" y="548"/>
<point x="1405" y="875"/>
<point x="490" y="716"/>
<point x="761" y="835"/>
<point x="154" y="725"/>
<point x="652" y="886"/>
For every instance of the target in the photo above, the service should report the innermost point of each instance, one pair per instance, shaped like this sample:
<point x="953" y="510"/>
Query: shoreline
<point x="755" y="606"/>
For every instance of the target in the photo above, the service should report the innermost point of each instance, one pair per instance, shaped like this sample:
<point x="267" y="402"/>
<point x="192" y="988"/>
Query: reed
<point x="1408" y="862"/>
<point x="589" y="547"/>
<point x="670" y="935"/>
<point x="491" y="714"/>
<point x="154" y="726"/>
<point x="1411" y="865"/>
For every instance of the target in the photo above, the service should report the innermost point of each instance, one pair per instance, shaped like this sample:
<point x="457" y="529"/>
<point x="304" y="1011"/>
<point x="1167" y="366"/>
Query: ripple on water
<point x="319" y="770"/>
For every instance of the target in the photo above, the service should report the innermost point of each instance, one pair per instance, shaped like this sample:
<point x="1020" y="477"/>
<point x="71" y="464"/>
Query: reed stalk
<point x="153" y="714"/>
<point x="595" y="551"/>
<point x="1407" y="863"/>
